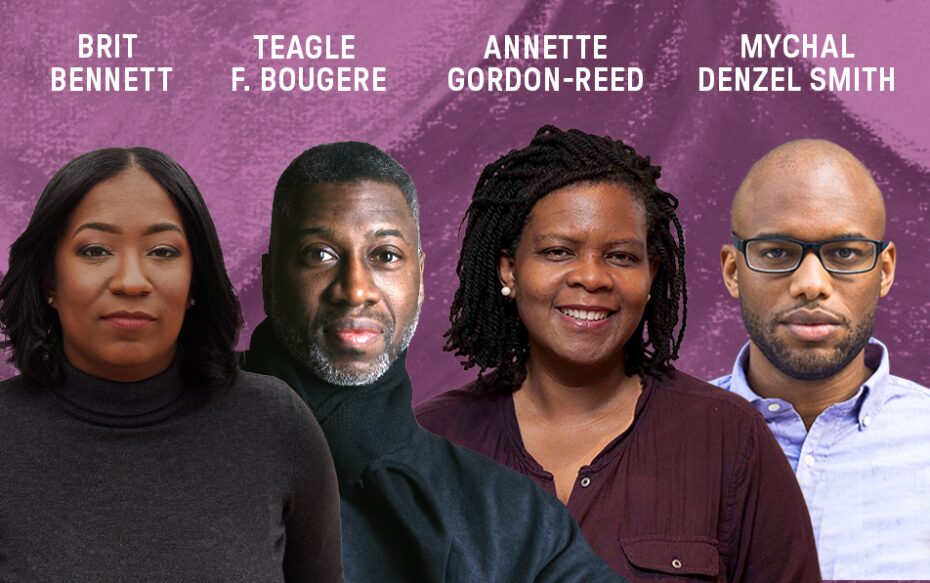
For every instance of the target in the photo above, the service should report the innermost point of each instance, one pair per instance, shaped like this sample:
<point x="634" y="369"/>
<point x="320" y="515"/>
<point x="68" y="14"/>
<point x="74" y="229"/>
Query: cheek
<point x="75" y="289"/>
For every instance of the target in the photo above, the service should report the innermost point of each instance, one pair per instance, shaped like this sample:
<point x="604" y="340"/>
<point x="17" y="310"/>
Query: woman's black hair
<point x="206" y="344"/>
<point x="486" y="329"/>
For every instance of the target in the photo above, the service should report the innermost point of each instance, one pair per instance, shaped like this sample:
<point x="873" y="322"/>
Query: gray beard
<point x="298" y="343"/>
<point x="804" y="365"/>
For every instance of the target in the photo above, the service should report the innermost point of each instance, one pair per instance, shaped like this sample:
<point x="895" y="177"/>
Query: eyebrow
<point x="150" y="230"/>
<point x="377" y="234"/>
<point x="853" y="235"/>
<point x="539" y="239"/>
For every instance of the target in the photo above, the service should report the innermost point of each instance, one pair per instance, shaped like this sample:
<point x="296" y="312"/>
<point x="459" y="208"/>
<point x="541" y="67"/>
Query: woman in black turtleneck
<point x="132" y="447"/>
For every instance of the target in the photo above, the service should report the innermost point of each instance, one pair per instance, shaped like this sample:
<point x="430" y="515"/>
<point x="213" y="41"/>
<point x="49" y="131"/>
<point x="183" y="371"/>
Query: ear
<point x="48" y="290"/>
<point x="266" y="284"/>
<point x="886" y="262"/>
<point x="422" y="263"/>
<point x="729" y="266"/>
<point x="654" y="263"/>
<point x="505" y="271"/>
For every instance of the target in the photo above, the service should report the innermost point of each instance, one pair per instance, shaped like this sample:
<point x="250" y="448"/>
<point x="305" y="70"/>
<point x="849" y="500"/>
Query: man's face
<point x="809" y="324"/>
<point x="343" y="285"/>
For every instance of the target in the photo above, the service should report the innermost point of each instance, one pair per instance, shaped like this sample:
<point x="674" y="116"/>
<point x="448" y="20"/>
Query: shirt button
<point x="676" y="563"/>
<point x="808" y="460"/>
<point x="866" y="420"/>
<point x="774" y="407"/>
<point x="585" y="482"/>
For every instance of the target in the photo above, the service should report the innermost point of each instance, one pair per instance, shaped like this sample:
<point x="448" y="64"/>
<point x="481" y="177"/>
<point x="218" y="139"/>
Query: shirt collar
<point x="866" y="404"/>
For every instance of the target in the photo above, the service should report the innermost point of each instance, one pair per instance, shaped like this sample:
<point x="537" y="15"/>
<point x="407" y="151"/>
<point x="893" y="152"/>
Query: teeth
<point x="584" y="314"/>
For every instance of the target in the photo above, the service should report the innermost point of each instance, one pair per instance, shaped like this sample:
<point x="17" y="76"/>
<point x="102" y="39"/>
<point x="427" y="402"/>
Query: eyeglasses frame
<point x="808" y="247"/>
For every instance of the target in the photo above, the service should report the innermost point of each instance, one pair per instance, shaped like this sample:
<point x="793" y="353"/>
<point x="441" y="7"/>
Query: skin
<point x="809" y="190"/>
<point x="346" y="274"/>
<point x="122" y="279"/>
<point x="583" y="245"/>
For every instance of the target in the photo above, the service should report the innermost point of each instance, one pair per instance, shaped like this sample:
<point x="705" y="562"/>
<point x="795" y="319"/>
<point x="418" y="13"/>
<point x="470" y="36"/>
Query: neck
<point x="561" y="391"/>
<point x="809" y="398"/>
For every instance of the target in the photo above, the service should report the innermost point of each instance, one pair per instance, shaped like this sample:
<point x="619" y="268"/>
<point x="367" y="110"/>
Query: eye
<point x="165" y="252"/>
<point x="94" y="251"/>
<point x="318" y="255"/>
<point x="387" y="256"/>
<point x="846" y="253"/>
<point x="622" y="259"/>
<point x="556" y="253"/>
<point x="775" y="253"/>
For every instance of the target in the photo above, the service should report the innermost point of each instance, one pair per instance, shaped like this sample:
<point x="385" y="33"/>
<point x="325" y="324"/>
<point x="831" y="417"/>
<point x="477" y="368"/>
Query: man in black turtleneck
<point x="342" y="285"/>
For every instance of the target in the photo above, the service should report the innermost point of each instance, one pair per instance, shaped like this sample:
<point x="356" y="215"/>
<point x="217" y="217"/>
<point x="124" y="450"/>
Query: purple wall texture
<point x="236" y="144"/>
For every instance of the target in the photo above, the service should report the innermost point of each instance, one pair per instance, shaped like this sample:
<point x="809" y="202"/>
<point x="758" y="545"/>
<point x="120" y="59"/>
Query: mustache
<point x="815" y="305"/>
<point x="329" y="318"/>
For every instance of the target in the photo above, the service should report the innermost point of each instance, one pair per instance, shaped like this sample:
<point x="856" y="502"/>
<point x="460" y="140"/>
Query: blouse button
<point x="676" y="563"/>
<point x="585" y="482"/>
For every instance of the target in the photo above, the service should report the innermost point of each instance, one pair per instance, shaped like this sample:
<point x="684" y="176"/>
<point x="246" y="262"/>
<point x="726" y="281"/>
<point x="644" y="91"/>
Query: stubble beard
<point x="300" y="344"/>
<point x="802" y="364"/>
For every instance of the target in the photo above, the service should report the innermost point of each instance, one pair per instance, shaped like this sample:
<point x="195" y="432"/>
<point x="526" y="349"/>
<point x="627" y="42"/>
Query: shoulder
<point x="268" y="403"/>
<point x="493" y="489"/>
<point x="909" y="389"/>
<point x="463" y="415"/>
<point x="685" y="392"/>
<point x="16" y="393"/>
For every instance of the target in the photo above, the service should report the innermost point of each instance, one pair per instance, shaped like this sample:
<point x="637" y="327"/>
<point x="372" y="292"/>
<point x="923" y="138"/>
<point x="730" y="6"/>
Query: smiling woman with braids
<point x="572" y="305"/>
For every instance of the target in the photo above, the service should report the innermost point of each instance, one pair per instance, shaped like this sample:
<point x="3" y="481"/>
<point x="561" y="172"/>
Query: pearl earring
<point x="506" y="291"/>
<point x="193" y="301"/>
<point x="51" y="300"/>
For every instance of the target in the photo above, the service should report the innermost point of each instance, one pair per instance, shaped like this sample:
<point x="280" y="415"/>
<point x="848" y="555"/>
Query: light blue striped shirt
<point x="864" y="468"/>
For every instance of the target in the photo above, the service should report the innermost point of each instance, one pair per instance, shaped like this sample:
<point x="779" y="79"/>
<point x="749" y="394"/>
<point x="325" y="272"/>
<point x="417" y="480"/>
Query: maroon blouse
<point x="696" y="489"/>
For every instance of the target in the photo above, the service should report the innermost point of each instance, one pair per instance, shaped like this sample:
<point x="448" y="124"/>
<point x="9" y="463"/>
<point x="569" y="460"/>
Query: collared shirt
<point x="695" y="490"/>
<point x="864" y="468"/>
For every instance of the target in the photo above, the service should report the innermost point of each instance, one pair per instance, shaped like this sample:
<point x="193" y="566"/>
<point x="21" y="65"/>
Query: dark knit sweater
<point x="150" y="481"/>
<point x="417" y="508"/>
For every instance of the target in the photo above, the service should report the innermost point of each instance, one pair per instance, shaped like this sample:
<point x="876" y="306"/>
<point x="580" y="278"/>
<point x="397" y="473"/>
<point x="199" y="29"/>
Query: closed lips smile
<point x="129" y="320"/>
<point x="358" y="333"/>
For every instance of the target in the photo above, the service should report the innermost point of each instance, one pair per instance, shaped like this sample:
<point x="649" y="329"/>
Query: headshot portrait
<point x="809" y="261"/>
<point x="131" y="441"/>
<point x="342" y="289"/>
<point x="571" y="305"/>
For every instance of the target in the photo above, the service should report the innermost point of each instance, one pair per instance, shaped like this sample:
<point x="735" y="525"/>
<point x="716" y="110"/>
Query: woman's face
<point x="581" y="273"/>
<point x="122" y="279"/>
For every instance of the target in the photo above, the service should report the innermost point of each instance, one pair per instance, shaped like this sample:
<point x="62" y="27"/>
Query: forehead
<point x="131" y="197"/>
<point x="354" y="207"/>
<point x="589" y="207"/>
<point x="811" y="202"/>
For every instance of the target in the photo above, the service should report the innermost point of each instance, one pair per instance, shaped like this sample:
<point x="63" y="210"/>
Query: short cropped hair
<point x="335" y="163"/>
<point x="206" y="344"/>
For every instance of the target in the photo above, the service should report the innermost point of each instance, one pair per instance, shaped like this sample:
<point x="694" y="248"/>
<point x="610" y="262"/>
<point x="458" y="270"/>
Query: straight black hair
<point x="206" y="344"/>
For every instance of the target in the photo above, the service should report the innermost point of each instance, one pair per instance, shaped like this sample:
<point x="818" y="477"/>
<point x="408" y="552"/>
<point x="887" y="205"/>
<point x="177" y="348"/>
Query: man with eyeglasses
<point x="808" y="264"/>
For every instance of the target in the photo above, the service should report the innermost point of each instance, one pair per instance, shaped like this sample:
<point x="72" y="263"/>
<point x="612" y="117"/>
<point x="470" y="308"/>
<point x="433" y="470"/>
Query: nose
<point x="355" y="284"/>
<point x="591" y="273"/>
<point x="130" y="278"/>
<point x="811" y="281"/>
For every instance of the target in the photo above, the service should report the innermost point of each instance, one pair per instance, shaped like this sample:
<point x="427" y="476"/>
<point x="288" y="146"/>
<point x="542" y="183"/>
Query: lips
<point x="812" y="325"/>
<point x="356" y="332"/>
<point x="129" y="320"/>
<point x="587" y="315"/>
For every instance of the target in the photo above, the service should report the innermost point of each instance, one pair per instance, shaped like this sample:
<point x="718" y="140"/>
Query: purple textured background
<point x="236" y="144"/>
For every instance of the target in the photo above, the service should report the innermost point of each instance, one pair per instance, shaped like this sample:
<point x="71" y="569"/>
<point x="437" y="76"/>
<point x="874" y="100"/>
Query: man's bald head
<point x="808" y="323"/>
<point x="808" y="177"/>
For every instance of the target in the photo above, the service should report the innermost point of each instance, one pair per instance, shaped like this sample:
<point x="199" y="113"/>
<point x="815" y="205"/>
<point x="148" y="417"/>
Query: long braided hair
<point x="486" y="330"/>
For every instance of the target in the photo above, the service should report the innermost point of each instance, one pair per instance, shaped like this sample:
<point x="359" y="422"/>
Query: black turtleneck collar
<point x="362" y="423"/>
<point x="115" y="404"/>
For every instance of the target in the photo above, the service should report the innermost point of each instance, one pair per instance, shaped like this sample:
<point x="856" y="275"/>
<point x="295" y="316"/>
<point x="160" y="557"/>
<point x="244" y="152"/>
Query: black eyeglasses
<point x="844" y="256"/>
